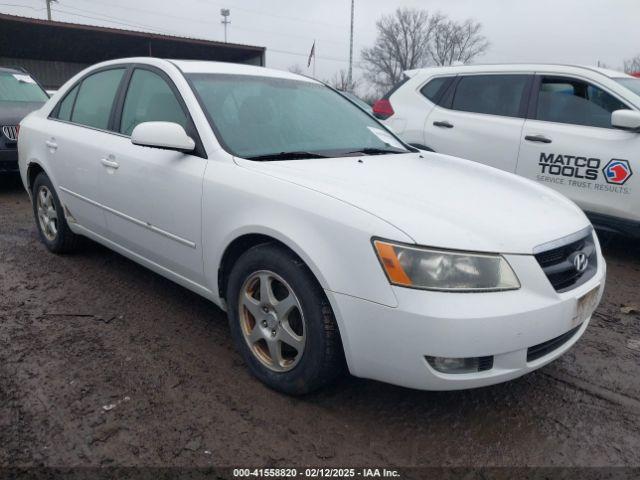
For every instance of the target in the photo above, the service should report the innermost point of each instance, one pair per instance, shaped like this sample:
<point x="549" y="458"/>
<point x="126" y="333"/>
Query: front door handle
<point x="51" y="144"/>
<point x="443" y="124"/>
<point x="110" y="163"/>
<point x="538" y="139"/>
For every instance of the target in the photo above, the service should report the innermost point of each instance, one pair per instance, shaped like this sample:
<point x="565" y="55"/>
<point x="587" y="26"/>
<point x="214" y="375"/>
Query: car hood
<point x="11" y="113"/>
<point x="440" y="201"/>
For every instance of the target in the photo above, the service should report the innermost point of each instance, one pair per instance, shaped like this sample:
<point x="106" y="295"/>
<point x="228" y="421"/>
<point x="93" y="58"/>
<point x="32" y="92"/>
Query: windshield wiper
<point x="375" y="151"/>
<point x="287" y="156"/>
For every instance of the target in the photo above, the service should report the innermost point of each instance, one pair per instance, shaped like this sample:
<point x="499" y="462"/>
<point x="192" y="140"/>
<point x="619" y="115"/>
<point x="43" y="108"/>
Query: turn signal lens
<point x="441" y="270"/>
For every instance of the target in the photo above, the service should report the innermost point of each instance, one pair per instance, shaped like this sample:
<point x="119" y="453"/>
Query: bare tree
<point x="454" y="42"/>
<point x="402" y="44"/>
<point x="414" y="38"/>
<point x="340" y="81"/>
<point x="632" y="65"/>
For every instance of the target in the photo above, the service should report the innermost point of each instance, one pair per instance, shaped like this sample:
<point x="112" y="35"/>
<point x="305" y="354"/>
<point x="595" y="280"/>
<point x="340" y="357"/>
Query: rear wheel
<point x="52" y="225"/>
<point x="281" y="321"/>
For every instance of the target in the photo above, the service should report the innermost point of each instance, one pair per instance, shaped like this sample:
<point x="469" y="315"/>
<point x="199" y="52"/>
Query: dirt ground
<point x="103" y="363"/>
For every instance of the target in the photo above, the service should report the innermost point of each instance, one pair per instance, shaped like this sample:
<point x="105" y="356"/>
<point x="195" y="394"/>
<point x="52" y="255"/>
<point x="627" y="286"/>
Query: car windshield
<point x="632" y="84"/>
<point x="263" y="118"/>
<point x="20" y="87"/>
<point x="358" y="101"/>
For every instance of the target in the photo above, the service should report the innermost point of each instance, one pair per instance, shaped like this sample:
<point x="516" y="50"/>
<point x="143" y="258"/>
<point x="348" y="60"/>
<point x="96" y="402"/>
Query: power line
<point x="119" y="21"/>
<point x="110" y="18"/>
<point x="22" y="6"/>
<point x="286" y="17"/>
<point x="306" y="55"/>
<point x="205" y="22"/>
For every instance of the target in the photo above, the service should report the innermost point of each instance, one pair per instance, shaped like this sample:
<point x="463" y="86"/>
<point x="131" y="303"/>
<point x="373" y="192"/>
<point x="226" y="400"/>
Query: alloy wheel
<point x="272" y="321"/>
<point x="47" y="214"/>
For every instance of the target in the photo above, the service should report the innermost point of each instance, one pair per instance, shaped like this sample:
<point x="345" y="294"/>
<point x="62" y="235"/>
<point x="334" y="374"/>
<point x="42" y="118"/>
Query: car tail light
<point x="17" y="132"/>
<point x="382" y="109"/>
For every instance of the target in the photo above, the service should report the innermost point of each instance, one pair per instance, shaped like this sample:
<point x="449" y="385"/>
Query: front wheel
<point x="281" y="321"/>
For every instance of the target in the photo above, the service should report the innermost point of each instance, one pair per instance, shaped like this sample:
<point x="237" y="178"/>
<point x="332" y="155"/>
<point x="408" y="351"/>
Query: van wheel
<point x="281" y="321"/>
<point x="52" y="225"/>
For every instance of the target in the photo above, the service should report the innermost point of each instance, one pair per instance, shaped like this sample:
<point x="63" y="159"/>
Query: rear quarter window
<point x="434" y="90"/>
<point x="66" y="105"/>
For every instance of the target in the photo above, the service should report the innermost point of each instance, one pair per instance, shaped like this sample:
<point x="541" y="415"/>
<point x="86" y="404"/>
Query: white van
<point x="575" y="129"/>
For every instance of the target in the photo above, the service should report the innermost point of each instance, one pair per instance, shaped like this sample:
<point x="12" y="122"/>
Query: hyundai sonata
<point x="329" y="241"/>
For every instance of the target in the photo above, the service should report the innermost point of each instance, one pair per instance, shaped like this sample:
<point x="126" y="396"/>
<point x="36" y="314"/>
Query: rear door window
<point x="150" y="99"/>
<point x="491" y="94"/>
<point x="573" y="101"/>
<point x="95" y="98"/>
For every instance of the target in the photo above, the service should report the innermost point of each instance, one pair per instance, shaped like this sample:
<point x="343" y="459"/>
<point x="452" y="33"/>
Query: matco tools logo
<point x="617" y="172"/>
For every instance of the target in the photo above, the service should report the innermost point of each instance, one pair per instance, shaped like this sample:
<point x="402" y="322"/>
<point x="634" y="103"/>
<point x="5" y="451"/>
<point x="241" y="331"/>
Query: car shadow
<point x="10" y="182"/>
<point x="619" y="246"/>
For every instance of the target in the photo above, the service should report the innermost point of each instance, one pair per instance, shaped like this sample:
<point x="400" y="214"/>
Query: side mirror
<point x="626" y="120"/>
<point x="164" y="135"/>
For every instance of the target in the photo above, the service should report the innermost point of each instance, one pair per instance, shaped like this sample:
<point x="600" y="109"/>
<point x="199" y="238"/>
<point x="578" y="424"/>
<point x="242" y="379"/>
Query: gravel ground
<point x="104" y="363"/>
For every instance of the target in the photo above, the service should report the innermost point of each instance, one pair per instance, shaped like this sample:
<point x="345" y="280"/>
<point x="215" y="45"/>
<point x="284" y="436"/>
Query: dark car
<point x="20" y="94"/>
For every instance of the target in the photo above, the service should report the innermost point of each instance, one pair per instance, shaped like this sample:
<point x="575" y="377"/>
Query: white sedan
<point x="329" y="242"/>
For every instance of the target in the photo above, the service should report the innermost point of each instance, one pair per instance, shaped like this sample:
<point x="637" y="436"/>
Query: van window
<point x="491" y="94"/>
<point x="95" y="98"/>
<point x="565" y="100"/>
<point x="150" y="99"/>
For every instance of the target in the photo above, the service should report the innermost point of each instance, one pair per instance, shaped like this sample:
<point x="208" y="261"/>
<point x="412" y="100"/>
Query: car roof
<point x="203" y="66"/>
<point x="200" y="66"/>
<point x="517" y="67"/>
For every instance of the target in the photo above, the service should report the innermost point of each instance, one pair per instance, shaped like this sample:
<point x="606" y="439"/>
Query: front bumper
<point x="8" y="161"/>
<point x="390" y="344"/>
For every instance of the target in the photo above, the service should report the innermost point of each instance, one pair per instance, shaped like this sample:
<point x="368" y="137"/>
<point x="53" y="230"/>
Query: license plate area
<point x="586" y="306"/>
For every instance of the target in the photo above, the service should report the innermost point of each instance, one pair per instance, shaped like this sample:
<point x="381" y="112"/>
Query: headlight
<point x="431" y="269"/>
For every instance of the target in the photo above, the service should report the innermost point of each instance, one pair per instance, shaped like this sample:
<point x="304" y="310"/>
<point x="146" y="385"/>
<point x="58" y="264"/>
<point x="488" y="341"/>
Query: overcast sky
<point x="571" y="31"/>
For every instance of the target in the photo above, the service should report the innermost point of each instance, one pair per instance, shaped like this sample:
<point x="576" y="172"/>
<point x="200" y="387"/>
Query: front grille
<point x="11" y="132"/>
<point x="539" y="351"/>
<point x="559" y="264"/>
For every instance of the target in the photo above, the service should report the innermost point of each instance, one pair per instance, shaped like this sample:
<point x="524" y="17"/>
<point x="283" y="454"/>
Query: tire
<point x="318" y="359"/>
<point x="62" y="240"/>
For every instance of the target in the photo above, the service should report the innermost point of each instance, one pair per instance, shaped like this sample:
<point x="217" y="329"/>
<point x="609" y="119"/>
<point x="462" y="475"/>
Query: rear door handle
<point x="51" y="144"/>
<point x="443" y="124"/>
<point x="538" y="139"/>
<point x="110" y="163"/>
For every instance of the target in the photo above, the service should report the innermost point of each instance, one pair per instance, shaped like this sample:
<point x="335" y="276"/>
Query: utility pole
<point x="225" y="12"/>
<point x="49" y="2"/>
<point x="350" y="76"/>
